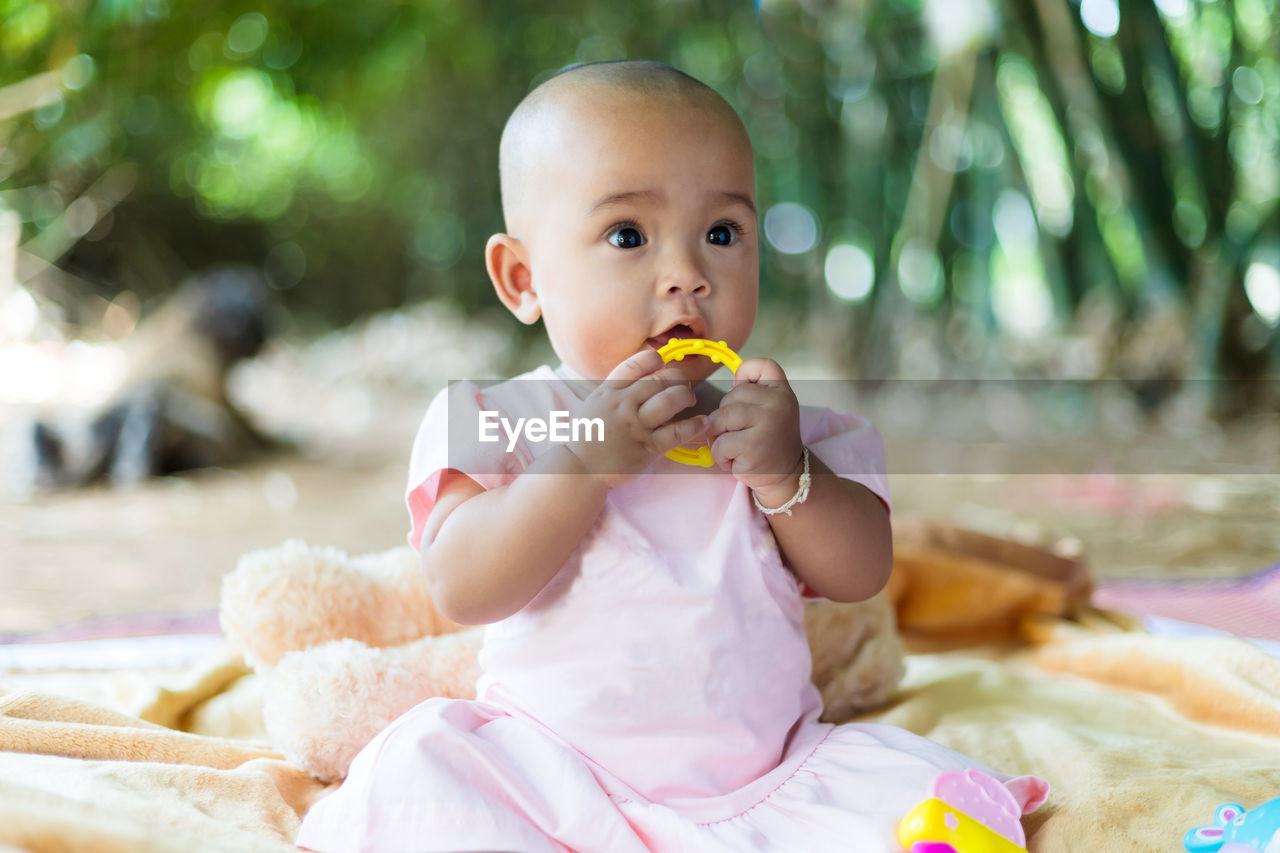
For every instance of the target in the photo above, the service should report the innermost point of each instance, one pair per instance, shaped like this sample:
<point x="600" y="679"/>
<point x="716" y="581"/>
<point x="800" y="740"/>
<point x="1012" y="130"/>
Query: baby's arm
<point x="838" y="541"/>
<point x="487" y="553"/>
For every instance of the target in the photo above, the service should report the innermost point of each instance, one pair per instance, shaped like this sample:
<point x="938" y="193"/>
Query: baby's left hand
<point x="755" y="433"/>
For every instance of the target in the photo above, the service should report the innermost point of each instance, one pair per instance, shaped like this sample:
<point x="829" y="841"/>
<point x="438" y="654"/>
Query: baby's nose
<point x="685" y="277"/>
<point x="696" y="288"/>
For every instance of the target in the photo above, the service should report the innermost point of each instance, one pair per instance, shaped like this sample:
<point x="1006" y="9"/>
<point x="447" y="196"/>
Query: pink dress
<point x="654" y="696"/>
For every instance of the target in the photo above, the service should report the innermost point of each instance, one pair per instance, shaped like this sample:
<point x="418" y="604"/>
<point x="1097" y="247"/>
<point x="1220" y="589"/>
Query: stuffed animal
<point x="345" y="645"/>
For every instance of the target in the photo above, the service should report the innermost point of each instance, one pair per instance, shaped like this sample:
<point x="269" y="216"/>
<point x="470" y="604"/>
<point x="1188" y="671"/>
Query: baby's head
<point x="628" y="191"/>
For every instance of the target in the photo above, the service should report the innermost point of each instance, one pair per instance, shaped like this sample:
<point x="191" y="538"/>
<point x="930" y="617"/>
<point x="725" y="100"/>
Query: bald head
<point x="574" y="94"/>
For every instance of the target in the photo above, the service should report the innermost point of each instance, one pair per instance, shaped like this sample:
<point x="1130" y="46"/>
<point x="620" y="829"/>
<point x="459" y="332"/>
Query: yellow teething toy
<point x="675" y="350"/>
<point x="933" y="823"/>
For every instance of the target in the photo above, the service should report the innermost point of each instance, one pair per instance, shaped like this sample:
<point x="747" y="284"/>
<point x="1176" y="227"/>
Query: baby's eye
<point x="724" y="234"/>
<point x="626" y="237"/>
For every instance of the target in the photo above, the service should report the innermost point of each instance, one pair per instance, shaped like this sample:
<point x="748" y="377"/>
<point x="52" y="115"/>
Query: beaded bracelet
<point x="801" y="495"/>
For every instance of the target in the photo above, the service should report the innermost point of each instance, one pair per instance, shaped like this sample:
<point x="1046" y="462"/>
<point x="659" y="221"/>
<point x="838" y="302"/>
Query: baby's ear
<point x="508" y="263"/>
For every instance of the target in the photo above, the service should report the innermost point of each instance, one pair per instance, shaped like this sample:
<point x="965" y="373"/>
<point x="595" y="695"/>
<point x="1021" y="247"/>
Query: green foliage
<point x="986" y="167"/>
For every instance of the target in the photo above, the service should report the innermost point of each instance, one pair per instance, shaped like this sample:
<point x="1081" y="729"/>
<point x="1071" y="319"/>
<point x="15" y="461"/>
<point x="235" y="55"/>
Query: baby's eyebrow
<point x="740" y="198"/>
<point x="623" y="198"/>
<point x="650" y="195"/>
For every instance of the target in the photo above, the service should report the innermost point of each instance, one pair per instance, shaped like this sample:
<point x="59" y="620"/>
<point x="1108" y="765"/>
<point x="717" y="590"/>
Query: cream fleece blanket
<point x="80" y="776"/>
<point x="1141" y="738"/>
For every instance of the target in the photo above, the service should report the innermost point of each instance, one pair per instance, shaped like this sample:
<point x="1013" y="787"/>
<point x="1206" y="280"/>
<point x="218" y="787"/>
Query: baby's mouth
<point x="680" y="330"/>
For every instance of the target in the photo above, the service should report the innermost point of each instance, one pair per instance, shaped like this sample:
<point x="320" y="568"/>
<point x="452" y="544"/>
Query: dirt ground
<point x="166" y="545"/>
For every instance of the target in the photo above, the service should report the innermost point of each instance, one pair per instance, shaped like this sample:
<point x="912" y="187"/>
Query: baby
<point x="646" y="675"/>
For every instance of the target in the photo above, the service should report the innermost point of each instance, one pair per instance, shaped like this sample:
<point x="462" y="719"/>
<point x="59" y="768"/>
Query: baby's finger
<point x="733" y="417"/>
<point x="633" y="367"/>
<point x="680" y="432"/>
<point x="753" y="393"/>
<point x="664" y="405"/>
<point x="647" y="386"/>
<point x="728" y="448"/>
<point x="759" y="370"/>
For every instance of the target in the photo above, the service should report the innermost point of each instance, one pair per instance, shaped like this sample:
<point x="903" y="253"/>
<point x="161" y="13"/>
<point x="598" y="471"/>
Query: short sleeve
<point x="851" y="447"/>
<point x="447" y="440"/>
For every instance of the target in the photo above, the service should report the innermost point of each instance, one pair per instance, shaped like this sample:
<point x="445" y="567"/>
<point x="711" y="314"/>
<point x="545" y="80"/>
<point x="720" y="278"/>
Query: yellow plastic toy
<point x="934" y="826"/>
<point x="675" y="350"/>
<point x="965" y="812"/>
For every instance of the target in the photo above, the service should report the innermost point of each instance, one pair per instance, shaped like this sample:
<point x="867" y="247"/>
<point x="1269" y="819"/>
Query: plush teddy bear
<point x="345" y="645"/>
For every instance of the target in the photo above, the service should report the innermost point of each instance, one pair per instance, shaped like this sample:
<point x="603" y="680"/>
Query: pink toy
<point x="966" y="812"/>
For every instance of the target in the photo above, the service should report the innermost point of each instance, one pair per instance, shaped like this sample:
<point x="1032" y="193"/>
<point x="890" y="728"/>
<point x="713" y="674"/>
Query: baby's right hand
<point x="636" y="403"/>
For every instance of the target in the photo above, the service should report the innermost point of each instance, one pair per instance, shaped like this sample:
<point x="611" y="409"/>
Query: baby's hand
<point x="756" y="430"/>
<point x="636" y="402"/>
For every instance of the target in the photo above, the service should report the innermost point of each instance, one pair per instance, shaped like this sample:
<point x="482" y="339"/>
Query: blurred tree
<point x="1014" y="162"/>
<point x="948" y="185"/>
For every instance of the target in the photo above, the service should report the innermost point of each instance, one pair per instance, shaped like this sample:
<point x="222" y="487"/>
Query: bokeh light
<point x="247" y="34"/>
<point x="850" y="271"/>
<point x="1262" y="285"/>
<point x="1100" y="17"/>
<point x="791" y="228"/>
<point x="920" y="273"/>
<point x="1173" y="8"/>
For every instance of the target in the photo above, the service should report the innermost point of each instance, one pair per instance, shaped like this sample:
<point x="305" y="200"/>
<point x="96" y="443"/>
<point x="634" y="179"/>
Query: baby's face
<point x="644" y="230"/>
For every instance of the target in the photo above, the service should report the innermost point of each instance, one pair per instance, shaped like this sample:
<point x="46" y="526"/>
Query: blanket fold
<point x="79" y="776"/>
